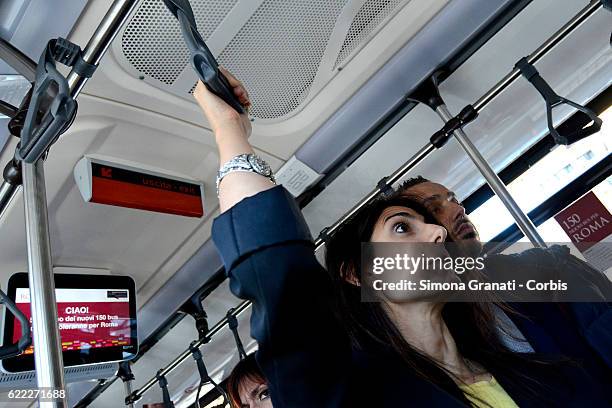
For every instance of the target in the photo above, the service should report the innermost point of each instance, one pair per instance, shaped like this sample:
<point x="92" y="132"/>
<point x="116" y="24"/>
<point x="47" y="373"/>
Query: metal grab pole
<point x="127" y="376"/>
<point x="522" y="220"/>
<point x="101" y="39"/>
<point x="127" y="385"/>
<point x="48" y="354"/>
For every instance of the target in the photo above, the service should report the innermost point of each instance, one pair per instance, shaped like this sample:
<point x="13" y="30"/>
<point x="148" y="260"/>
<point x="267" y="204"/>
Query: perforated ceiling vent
<point x="280" y="49"/>
<point x="287" y="39"/>
<point x="366" y="22"/>
<point x="152" y="40"/>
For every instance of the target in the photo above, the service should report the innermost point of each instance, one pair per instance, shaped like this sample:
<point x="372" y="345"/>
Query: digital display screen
<point x="132" y="189"/>
<point x="87" y="318"/>
<point x="96" y="319"/>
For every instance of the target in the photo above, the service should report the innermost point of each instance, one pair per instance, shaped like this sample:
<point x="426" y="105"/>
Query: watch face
<point x="260" y="166"/>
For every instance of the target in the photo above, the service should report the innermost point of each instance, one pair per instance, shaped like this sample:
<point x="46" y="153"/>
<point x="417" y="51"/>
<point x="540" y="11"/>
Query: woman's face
<point x="414" y="241"/>
<point x="402" y="224"/>
<point x="254" y="394"/>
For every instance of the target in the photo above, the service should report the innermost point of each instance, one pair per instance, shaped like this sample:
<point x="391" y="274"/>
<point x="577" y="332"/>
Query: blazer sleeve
<point x="268" y="254"/>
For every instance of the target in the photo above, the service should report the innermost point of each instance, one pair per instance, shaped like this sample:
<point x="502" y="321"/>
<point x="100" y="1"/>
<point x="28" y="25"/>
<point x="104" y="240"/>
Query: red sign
<point x="131" y="189"/>
<point x="586" y="222"/>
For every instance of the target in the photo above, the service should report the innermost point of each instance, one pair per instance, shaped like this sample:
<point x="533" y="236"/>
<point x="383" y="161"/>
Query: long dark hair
<point x="473" y="325"/>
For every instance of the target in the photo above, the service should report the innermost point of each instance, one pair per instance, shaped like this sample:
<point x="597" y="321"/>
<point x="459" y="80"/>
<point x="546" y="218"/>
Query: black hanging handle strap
<point x="204" y="376"/>
<point x="52" y="109"/>
<point x="71" y="55"/>
<point x="232" y="323"/>
<point x="12" y="350"/>
<point x="163" y="384"/>
<point x="553" y="100"/>
<point x="202" y="60"/>
<point x="197" y="356"/>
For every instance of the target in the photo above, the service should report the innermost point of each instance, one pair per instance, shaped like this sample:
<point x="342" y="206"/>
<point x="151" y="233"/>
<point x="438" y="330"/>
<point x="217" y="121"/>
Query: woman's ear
<point x="348" y="274"/>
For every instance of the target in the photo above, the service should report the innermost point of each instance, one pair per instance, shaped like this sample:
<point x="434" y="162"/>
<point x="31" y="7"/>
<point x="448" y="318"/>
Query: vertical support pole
<point x="47" y="347"/>
<point x="126" y="375"/>
<point x="127" y="385"/>
<point x="521" y="219"/>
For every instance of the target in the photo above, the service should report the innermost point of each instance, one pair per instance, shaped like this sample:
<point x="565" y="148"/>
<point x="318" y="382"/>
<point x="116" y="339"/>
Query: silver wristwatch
<point x="245" y="162"/>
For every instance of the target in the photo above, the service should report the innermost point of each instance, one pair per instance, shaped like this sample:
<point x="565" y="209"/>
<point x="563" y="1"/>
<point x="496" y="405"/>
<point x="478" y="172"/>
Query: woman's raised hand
<point x="223" y="119"/>
<point x="231" y="133"/>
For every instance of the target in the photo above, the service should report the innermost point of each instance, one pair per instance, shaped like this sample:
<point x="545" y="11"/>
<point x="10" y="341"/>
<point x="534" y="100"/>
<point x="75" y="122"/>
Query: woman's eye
<point x="264" y="394"/>
<point x="400" y="228"/>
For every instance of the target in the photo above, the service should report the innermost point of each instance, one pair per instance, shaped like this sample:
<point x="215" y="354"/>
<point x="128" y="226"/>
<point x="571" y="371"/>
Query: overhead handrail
<point x="137" y="394"/>
<point x="7" y="109"/>
<point x="17" y="60"/>
<point x="25" y="340"/>
<point x="202" y="60"/>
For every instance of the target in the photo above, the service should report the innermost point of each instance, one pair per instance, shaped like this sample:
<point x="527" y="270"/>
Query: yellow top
<point x="490" y="392"/>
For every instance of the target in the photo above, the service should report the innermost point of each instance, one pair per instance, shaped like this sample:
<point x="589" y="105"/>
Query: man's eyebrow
<point x="401" y="213"/>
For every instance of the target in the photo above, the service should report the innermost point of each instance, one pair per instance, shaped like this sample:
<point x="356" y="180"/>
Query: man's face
<point x="443" y="205"/>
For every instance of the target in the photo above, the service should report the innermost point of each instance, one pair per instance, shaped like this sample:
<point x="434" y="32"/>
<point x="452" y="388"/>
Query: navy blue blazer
<point x="577" y="329"/>
<point x="304" y="353"/>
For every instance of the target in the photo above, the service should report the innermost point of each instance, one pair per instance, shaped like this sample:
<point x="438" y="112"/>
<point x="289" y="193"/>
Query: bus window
<point x="553" y="172"/>
<point x="551" y="231"/>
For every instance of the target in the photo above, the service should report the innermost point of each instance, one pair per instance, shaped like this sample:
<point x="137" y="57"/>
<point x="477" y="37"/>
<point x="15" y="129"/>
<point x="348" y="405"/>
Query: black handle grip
<point x="51" y="110"/>
<point x="202" y="60"/>
<point x="572" y="137"/>
<point x="12" y="350"/>
<point x="553" y="100"/>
